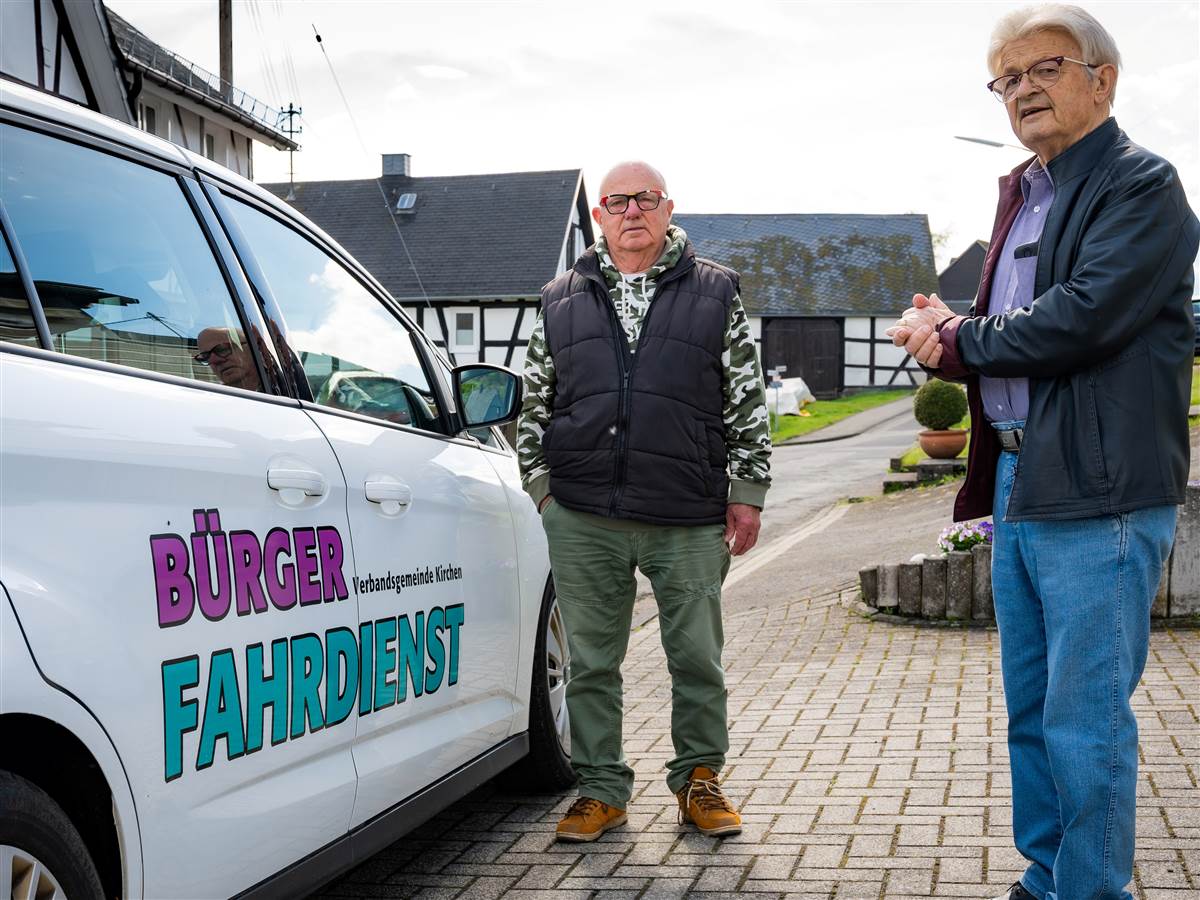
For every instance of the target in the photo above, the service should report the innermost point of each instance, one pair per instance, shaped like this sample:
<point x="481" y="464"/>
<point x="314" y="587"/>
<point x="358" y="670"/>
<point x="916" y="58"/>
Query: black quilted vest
<point x="640" y="435"/>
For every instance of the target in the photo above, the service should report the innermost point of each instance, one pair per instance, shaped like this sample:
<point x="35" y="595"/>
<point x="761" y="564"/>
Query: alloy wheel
<point x="558" y="673"/>
<point x="24" y="877"/>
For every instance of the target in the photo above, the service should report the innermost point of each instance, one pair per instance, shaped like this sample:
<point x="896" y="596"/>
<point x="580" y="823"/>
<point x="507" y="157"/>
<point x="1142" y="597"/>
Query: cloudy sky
<point x="747" y="107"/>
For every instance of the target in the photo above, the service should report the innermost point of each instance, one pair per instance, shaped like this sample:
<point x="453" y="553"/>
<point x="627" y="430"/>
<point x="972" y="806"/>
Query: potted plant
<point x="939" y="405"/>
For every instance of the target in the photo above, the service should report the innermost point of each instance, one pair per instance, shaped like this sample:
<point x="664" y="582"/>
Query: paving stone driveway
<point x="869" y="760"/>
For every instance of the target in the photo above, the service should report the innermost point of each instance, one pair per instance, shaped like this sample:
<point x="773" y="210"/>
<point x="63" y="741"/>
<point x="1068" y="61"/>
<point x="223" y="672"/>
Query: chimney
<point x="397" y="164"/>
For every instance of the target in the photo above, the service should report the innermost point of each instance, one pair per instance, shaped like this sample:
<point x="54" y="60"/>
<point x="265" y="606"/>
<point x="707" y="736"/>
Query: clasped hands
<point x="916" y="330"/>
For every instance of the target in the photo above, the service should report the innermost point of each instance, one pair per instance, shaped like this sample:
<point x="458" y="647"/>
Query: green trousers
<point x="593" y="560"/>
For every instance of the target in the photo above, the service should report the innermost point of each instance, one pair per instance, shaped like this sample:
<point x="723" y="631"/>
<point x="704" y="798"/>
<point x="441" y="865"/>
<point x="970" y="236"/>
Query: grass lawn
<point x="826" y="412"/>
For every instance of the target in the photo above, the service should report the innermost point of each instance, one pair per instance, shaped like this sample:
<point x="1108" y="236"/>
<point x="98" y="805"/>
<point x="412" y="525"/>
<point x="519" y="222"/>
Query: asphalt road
<point x="806" y="478"/>
<point x="809" y="544"/>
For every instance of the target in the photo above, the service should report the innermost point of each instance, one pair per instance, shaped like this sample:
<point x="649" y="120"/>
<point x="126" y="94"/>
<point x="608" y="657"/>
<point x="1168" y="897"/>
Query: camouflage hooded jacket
<point x="747" y="428"/>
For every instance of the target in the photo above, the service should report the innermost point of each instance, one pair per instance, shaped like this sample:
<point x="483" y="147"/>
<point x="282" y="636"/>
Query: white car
<point x="252" y="630"/>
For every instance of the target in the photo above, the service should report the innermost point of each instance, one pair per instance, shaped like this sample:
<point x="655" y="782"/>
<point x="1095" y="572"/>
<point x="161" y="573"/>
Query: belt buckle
<point x="1010" y="439"/>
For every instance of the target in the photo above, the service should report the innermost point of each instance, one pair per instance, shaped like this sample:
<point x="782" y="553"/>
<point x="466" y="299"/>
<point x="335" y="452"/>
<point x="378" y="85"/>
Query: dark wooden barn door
<point x="810" y="348"/>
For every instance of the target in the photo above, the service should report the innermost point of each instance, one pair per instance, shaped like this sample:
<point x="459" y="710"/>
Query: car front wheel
<point x="548" y="766"/>
<point x="41" y="853"/>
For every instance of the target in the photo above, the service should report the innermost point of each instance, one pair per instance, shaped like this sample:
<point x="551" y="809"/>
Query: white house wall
<point x="870" y="359"/>
<point x="572" y="247"/>
<point x="19" y="27"/>
<point x="179" y="120"/>
<point x="503" y="328"/>
<point x="756" y="328"/>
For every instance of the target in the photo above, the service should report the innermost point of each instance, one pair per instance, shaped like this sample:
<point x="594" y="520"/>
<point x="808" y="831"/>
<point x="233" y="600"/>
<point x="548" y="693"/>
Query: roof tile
<point x="820" y="264"/>
<point x="468" y="235"/>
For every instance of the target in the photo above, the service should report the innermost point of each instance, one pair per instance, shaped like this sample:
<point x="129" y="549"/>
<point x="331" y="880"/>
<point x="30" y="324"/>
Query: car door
<point x="434" y="564"/>
<point x="174" y="532"/>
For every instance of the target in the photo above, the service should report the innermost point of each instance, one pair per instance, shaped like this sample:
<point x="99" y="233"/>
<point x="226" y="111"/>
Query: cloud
<point x="437" y="72"/>
<point x="402" y="91"/>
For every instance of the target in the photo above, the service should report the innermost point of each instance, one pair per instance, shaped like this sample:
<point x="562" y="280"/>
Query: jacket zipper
<point x="625" y="400"/>
<point x="621" y="344"/>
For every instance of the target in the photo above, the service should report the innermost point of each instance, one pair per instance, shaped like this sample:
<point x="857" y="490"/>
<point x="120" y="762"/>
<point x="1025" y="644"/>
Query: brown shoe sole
<point x="719" y="831"/>
<point x="572" y="837"/>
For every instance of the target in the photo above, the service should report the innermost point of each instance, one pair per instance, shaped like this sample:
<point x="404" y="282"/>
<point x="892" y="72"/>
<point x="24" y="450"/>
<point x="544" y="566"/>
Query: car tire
<point x="39" y="843"/>
<point x="547" y="768"/>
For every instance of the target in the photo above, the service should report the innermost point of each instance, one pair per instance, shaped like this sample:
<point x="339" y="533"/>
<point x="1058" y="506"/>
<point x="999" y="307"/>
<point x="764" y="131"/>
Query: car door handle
<point x="384" y="491"/>
<point x="306" y="480"/>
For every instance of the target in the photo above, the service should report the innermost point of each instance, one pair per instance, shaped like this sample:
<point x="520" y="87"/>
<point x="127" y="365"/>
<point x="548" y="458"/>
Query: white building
<point x="79" y="50"/>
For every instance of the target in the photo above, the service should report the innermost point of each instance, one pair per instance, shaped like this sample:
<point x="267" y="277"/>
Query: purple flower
<point x="964" y="536"/>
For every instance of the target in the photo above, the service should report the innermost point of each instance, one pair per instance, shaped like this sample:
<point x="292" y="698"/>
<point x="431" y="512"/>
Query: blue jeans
<point x="1073" y="604"/>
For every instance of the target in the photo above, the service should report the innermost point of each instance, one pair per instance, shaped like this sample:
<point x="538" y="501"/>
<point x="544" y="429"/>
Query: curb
<point x="803" y="439"/>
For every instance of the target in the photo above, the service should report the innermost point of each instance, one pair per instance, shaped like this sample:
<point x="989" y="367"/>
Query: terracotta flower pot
<point x="943" y="444"/>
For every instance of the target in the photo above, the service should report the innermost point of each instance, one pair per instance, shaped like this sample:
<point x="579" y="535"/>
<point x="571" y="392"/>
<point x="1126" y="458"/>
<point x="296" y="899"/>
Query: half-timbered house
<point x="466" y="255"/>
<point x="821" y="289"/>
<point x="83" y="52"/>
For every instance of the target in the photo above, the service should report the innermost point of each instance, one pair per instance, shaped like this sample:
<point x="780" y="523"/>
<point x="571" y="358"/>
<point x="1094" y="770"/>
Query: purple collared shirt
<point x="1007" y="399"/>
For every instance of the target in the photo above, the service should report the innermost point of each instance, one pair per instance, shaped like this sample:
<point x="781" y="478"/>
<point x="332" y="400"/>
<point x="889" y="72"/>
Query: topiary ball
<point x="939" y="404"/>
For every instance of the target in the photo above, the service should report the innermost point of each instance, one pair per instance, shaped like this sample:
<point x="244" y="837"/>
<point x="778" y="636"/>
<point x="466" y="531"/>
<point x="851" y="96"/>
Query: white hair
<point x="1095" y="43"/>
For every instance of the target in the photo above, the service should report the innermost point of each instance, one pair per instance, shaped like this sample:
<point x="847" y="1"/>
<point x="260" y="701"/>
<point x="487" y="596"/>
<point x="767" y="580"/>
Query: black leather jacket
<point x="1106" y="344"/>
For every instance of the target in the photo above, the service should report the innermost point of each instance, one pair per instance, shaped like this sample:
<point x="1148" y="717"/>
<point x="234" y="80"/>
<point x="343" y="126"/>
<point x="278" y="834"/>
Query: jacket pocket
<point x="1126" y="425"/>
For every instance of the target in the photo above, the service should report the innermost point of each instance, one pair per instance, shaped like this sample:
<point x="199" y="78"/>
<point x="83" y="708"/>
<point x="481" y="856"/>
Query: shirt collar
<point x="1034" y="176"/>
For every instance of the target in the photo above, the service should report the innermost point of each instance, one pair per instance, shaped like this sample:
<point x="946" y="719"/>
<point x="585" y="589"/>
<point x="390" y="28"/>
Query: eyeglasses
<point x="1043" y="73"/>
<point x="221" y="352"/>
<point x="646" y="201"/>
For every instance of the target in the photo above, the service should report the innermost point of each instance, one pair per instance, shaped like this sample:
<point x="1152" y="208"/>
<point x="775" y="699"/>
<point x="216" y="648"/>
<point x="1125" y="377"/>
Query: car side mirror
<point x="487" y="394"/>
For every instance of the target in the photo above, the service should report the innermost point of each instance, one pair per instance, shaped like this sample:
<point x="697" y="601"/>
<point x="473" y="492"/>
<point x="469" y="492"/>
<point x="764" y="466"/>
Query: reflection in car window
<point x="16" y="318"/>
<point x="485" y="436"/>
<point x="356" y="354"/>
<point x="123" y="270"/>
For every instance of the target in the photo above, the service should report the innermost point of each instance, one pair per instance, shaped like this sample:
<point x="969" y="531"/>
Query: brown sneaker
<point x="587" y="819"/>
<point x="702" y="803"/>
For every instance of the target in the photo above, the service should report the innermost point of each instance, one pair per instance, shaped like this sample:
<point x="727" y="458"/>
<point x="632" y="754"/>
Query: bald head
<point x="227" y="353"/>
<point x="632" y="170"/>
<point x="635" y="236"/>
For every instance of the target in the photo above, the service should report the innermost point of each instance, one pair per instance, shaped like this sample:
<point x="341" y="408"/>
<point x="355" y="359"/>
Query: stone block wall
<point x="957" y="587"/>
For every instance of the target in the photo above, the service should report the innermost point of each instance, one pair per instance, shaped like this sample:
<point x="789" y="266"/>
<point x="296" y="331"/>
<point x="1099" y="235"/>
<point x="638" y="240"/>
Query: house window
<point x="464" y="330"/>
<point x="210" y="147"/>
<point x="148" y="118"/>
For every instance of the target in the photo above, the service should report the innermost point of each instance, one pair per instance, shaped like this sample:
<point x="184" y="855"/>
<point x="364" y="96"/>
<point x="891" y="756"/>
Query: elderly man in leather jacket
<point x="1077" y="359"/>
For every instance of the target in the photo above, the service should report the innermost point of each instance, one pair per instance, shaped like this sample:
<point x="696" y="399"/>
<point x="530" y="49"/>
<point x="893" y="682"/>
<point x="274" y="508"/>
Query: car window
<point x="357" y="355"/>
<point x="122" y="268"/>
<point x="16" y="318"/>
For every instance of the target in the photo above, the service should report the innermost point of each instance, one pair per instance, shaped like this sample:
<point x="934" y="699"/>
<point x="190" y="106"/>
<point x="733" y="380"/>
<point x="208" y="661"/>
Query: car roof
<point x="50" y="108"/>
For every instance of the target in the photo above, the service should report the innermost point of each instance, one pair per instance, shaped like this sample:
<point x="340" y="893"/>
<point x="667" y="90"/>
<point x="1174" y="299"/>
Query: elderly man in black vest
<point x="644" y="440"/>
